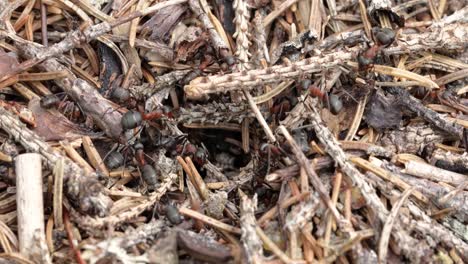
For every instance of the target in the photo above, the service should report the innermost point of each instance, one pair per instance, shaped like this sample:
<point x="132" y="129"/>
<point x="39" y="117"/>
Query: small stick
<point x="246" y="135"/>
<point x="313" y="177"/>
<point x="30" y="207"/>
<point x="219" y="43"/>
<point x="275" y="13"/>
<point x="365" y="19"/>
<point x="259" y="116"/>
<point x="384" y="174"/>
<point x="250" y="240"/>
<point x="429" y="115"/>
<point x="45" y="41"/>
<point x="68" y="229"/>
<point x="285" y="204"/>
<point x="76" y="157"/>
<point x="274" y="248"/>
<point x="386" y="231"/>
<point x="202" y="86"/>
<point x="58" y="193"/>
<point x="208" y="220"/>
<point x="198" y="180"/>
<point x="335" y="193"/>
<point x="90" y="33"/>
<point x="93" y="155"/>
<point x="426" y="171"/>
<point x="357" y="119"/>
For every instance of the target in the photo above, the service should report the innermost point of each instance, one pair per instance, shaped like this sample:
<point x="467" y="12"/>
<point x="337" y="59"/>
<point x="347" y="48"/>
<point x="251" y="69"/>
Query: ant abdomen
<point x="114" y="160"/>
<point x="120" y="94"/>
<point x="149" y="175"/>
<point x="173" y="215"/>
<point x="131" y="120"/>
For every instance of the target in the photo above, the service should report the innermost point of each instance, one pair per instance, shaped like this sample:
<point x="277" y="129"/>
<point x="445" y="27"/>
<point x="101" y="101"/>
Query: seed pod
<point x="49" y="101"/>
<point x="114" y="160"/>
<point x="335" y="104"/>
<point x="384" y="36"/>
<point x="149" y="176"/>
<point x="120" y="94"/>
<point x="131" y="119"/>
<point x="173" y="215"/>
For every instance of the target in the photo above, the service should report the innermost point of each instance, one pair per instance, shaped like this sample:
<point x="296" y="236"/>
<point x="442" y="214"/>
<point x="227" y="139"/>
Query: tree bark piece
<point x="82" y="188"/>
<point x="429" y="172"/>
<point x="249" y="237"/>
<point x="30" y="207"/>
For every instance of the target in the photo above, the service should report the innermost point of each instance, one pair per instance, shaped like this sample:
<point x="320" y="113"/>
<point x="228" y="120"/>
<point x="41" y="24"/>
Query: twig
<point x="30" y="204"/>
<point x="368" y="192"/>
<point x="68" y="229"/>
<point x="388" y="177"/>
<point x="314" y="179"/>
<point x="58" y="194"/>
<point x="439" y="38"/>
<point x="45" y="42"/>
<point x="89" y="99"/>
<point x="82" y="188"/>
<point x="210" y="221"/>
<point x="249" y="237"/>
<point x="259" y="116"/>
<point x="386" y="231"/>
<point x="427" y="171"/>
<point x="218" y="43"/>
<point x="429" y="115"/>
<point x="275" y="13"/>
<point x="77" y="37"/>
<point x="335" y="193"/>
<point x="274" y="248"/>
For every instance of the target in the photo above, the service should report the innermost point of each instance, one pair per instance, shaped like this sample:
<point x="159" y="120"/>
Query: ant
<point x="181" y="146"/>
<point x="50" y="101"/>
<point x="133" y="119"/>
<point x="384" y="37"/>
<point x="115" y="159"/>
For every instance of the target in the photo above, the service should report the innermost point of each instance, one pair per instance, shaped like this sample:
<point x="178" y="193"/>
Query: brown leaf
<point x="8" y="62"/>
<point x="52" y="125"/>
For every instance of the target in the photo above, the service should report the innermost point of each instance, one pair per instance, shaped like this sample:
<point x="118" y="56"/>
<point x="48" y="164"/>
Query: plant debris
<point x="244" y="131"/>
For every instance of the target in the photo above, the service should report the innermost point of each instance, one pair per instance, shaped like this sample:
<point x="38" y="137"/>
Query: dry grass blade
<point x="43" y="76"/>
<point x="386" y="231"/>
<point x="399" y="73"/>
<point x="210" y="221"/>
<point x="272" y="93"/>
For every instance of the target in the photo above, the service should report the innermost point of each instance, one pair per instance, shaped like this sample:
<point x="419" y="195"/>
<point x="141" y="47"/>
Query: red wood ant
<point x="133" y="119"/>
<point x="384" y="37"/>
